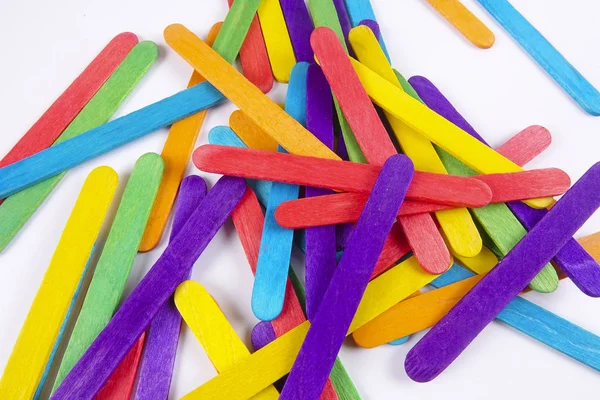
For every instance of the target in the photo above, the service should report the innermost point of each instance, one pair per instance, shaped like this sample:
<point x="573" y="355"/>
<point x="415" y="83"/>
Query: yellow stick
<point x="38" y="334"/>
<point x="277" y="39"/>
<point x="482" y="263"/>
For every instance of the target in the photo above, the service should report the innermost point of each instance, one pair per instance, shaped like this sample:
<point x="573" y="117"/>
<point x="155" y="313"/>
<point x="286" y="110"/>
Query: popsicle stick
<point x="277" y="39"/>
<point x="263" y="111"/>
<point x="360" y="10"/>
<point x="591" y="244"/>
<point x="254" y="57"/>
<point x="320" y="261"/>
<point x="457" y="225"/>
<point x="344" y="19"/>
<point x="66" y="107"/>
<point x="176" y="153"/>
<point x="272" y="362"/>
<point x="477" y="308"/>
<point x="262" y="334"/>
<point x="163" y="334"/>
<point x="17" y="209"/>
<point x="436" y="128"/>
<point x="546" y="55"/>
<point x="465" y="22"/>
<point x="482" y="263"/>
<point x="113" y="268"/>
<point x="276" y="245"/>
<point x="299" y="26"/>
<point x="216" y="335"/>
<point x="38" y="334"/>
<point x="135" y="314"/>
<point x="526" y="145"/>
<point x="331" y="174"/>
<point x="252" y="135"/>
<point x="497" y="220"/>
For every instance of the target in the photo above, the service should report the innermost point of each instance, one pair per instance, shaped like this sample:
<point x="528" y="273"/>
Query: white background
<point x="500" y="91"/>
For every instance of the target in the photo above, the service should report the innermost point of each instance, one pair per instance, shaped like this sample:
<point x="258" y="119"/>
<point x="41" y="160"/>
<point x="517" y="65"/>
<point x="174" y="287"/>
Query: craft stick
<point x="277" y="39"/>
<point x="374" y="27"/>
<point x="113" y="268"/>
<point x="254" y="57"/>
<point x="360" y="10"/>
<point x="216" y="335"/>
<point x="457" y="225"/>
<point x="310" y="171"/>
<point x="320" y="258"/>
<point x="262" y="334"/>
<point x="577" y="264"/>
<point x="17" y="209"/>
<point x="591" y="245"/>
<point x="344" y="20"/>
<point x="252" y="135"/>
<point x="66" y="107"/>
<point x="46" y="315"/>
<point x="436" y="128"/>
<point x="176" y="153"/>
<point x="465" y="22"/>
<point x="477" y="308"/>
<point x="497" y="220"/>
<point x="276" y="244"/>
<point x="299" y="26"/>
<point x="526" y="145"/>
<point x="263" y="111"/>
<point x="348" y="283"/>
<point x="135" y="314"/>
<point x="272" y="362"/>
<point x="546" y="55"/>
<point x="482" y="263"/>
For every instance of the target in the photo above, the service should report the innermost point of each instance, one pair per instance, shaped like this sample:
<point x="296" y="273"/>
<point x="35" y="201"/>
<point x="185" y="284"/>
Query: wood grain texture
<point x="332" y="174"/>
<point x="530" y="184"/>
<point x="114" y="265"/>
<point x="17" y="209"/>
<point x="216" y="335"/>
<point x="457" y="225"/>
<point x="158" y="361"/>
<point x="348" y="283"/>
<point x="546" y="55"/>
<point x="478" y="308"/>
<point x="176" y="153"/>
<point x="360" y="10"/>
<point x="465" y="22"/>
<point x="497" y="220"/>
<point x="436" y="128"/>
<point x="48" y="310"/>
<point x="272" y="362"/>
<point x="263" y="111"/>
<point x="277" y="39"/>
<point x="254" y="57"/>
<point x="68" y="105"/>
<point x="135" y="314"/>
<point x="262" y="334"/>
<point x="299" y="26"/>
<point x="324" y="15"/>
<point x="251" y="134"/>
<point x="526" y="145"/>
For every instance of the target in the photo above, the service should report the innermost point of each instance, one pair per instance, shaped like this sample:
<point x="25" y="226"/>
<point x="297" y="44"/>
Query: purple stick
<point x="342" y="13"/>
<point x="373" y="26"/>
<point x="300" y="26"/>
<point x="112" y="344"/>
<point x="320" y="241"/>
<point x="330" y="325"/>
<point x="579" y="266"/>
<point x="156" y="371"/>
<point x="262" y="334"/>
<point x="453" y="333"/>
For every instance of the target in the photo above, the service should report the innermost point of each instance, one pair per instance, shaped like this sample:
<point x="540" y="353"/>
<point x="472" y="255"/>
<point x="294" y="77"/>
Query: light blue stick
<point x="276" y="242"/>
<point x="359" y="10"/>
<point x="545" y="54"/>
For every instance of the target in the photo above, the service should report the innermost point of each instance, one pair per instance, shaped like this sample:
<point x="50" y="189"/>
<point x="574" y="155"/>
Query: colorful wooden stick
<point x="17" y="209"/>
<point x="46" y="315"/>
<point x="135" y="314"/>
<point x="542" y="51"/>
<point x="465" y="22"/>
<point x="276" y="244"/>
<point x="299" y="26"/>
<point x="478" y="308"/>
<point x="344" y="19"/>
<point x="262" y="334"/>
<point x="254" y="57"/>
<point x="526" y="145"/>
<point x="253" y="136"/>
<point x="360" y="10"/>
<point x="330" y="325"/>
<point x="216" y="335"/>
<point x="113" y="268"/>
<point x="263" y="111"/>
<point x="497" y="220"/>
<point x="163" y="334"/>
<point x="331" y="174"/>
<point x="176" y="153"/>
<point x="66" y="107"/>
<point x="277" y="39"/>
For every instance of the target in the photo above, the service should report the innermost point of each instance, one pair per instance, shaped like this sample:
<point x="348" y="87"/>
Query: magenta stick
<point x="577" y="264"/>
<point x="112" y="344"/>
<point x="330" y="325"/>
<point x="300" y="26"/>
<point x="455" y="331"/>
<point x="156" y="371"/>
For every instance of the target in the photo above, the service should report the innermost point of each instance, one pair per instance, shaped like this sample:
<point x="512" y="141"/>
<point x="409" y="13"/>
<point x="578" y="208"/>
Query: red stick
<point x="526" y="145"/>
